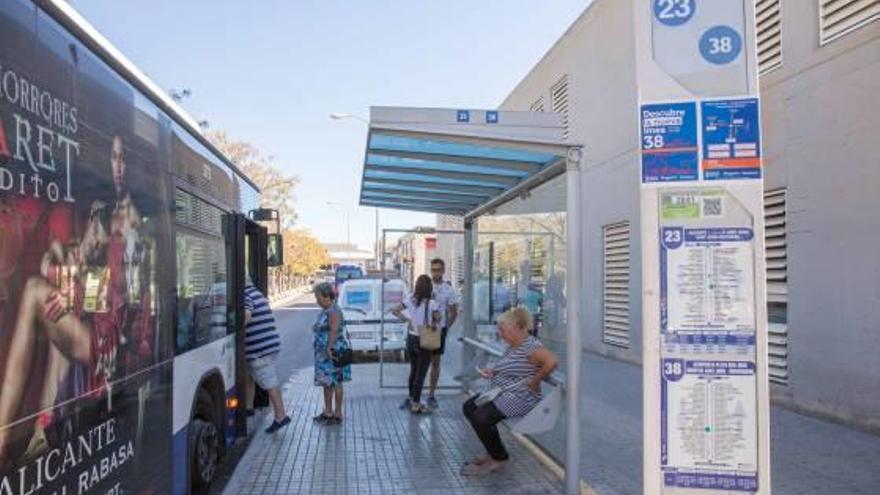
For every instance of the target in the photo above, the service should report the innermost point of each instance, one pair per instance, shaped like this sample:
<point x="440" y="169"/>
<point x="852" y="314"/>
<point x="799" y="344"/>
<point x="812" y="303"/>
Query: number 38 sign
<point x="700" y="43"/>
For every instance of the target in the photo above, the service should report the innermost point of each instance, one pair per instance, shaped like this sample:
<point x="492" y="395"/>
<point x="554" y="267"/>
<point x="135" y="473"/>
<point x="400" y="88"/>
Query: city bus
<point x="125" y="242"/>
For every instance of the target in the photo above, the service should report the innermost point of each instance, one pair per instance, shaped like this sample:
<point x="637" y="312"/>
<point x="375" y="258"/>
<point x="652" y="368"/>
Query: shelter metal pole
<point x="467" y="318"/>
<point x="382" y="309"/>
<point x="574" y="246"/>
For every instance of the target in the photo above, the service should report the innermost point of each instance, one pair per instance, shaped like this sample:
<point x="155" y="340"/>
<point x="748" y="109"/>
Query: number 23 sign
<point x="718" y="44"/>
<point x="674" y="12"/>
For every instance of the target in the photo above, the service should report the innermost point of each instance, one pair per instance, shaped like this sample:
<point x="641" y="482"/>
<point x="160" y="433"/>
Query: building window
<point x="615" y="284"/>
<point x="776" y="249"/>
<point x="768" y="31"/>
<point x="559" y="103"/>
<point x="839" y="17"/>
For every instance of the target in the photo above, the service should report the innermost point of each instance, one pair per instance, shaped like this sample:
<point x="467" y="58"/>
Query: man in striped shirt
<point x="262" y="344"/>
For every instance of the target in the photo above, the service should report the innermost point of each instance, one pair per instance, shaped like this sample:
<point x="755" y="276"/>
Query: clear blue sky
<point x="270" y="72"/>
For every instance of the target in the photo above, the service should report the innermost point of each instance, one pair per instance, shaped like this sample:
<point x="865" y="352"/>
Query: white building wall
<point x="597" y="55"/>
<point x="821" y="112"/>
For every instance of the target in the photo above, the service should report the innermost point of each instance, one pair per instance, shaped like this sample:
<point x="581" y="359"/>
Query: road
<point x="295" y="322"/>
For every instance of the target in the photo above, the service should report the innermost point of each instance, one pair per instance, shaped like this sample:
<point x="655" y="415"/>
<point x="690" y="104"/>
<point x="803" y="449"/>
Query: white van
<point x="361" y="306"/>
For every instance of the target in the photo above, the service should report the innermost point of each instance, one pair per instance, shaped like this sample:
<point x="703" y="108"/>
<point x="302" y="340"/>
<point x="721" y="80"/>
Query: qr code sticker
<point x="713" y="207"/>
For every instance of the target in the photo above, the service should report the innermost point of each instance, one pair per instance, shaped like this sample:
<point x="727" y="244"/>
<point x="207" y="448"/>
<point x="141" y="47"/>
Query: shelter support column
<point x="468" y="329"/>
<point x="574" y="246"/>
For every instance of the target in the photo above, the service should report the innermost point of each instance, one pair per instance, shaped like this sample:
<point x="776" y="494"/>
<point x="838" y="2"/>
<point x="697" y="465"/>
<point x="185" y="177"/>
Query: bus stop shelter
<point x="466" y="163"/>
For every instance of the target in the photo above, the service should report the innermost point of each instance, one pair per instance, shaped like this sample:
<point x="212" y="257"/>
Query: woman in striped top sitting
<point x="518" y="375"/>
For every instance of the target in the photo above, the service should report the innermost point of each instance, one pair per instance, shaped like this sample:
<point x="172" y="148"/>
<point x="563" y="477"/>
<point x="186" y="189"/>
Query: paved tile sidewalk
<point x="808" y="456"/>
<point x="379" y="449"/>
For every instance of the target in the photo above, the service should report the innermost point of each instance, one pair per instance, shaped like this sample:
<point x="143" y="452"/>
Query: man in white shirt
<point x="447" y="303"/>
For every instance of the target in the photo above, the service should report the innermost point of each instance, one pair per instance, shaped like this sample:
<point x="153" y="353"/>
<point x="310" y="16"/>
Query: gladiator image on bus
<point x="125" y="240"/>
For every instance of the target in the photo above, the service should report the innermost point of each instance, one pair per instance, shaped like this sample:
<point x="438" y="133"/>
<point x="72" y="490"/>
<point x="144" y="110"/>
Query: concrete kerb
<point x="548" y="461"/>
<point x="244" y="466"/>
<point x="289" y="296"/>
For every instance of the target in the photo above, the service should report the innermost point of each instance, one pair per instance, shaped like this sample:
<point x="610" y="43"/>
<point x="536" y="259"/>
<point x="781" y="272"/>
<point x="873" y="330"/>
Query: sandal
<point x="417" y="408"/>
<point x="322" y="418"/>
<point x="334" y="420"/>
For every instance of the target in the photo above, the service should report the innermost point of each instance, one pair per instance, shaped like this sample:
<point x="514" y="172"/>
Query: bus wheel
<point x="204" y="441"/>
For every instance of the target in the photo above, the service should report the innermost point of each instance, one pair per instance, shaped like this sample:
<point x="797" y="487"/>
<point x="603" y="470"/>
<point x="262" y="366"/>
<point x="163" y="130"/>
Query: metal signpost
<point x="706" y="402"/>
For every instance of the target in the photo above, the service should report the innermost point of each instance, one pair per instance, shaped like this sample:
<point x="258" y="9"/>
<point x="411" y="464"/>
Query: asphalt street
<point x="295" y="320"/>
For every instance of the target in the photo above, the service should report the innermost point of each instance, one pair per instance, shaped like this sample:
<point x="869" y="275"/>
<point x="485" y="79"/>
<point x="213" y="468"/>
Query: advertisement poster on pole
<point x="669" y="142"/>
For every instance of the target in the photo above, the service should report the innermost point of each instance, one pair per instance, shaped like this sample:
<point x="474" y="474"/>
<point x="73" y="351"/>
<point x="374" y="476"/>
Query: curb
<point x="549" y="462"/>
<point x="243" y="466"/>
<point x="289" y="297"/>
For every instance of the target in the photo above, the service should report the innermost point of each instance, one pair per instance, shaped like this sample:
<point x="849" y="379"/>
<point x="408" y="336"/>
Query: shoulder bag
<point x="429" y="336"/>
<point x="345" y="357"/>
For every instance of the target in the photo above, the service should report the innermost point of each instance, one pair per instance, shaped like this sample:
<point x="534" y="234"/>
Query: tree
<point x="276" y="187"/>
<point x="303" y="252"/>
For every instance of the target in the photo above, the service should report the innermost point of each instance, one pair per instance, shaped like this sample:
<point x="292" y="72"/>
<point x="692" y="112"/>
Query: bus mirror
<point x="275" y="250"/>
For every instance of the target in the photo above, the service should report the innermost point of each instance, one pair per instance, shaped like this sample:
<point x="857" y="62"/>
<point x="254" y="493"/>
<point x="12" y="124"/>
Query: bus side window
<point x="201" y="277"/>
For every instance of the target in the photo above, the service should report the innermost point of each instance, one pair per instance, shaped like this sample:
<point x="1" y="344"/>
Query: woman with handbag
<point x="423" y="338"/>
<point x="333" y="354"/>
<point x="515" y="387"/>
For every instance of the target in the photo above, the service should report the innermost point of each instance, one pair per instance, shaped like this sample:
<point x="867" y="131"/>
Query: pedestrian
<point x="418" y="310"/>
<point x="262" y="345"/>
<point x="447" y="303"/>
<point x="515" y="381"/>
<point x="330" y="341"/>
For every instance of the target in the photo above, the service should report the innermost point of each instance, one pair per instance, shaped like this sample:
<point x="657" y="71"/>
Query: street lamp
<point x="344" y="116"/>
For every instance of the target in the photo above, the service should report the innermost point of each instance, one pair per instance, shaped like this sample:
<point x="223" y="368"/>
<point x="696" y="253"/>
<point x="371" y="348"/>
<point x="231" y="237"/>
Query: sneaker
<point x="406" y="404"/>
<point x="432" y="403"/>
<point x="277" y="425"/>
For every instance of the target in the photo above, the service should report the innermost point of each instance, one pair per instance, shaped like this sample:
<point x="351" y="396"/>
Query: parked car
<point x="361" y="303"/>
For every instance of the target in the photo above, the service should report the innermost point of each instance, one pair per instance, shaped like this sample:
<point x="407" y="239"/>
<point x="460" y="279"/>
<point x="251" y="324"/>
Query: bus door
<point x="245" y="242"/>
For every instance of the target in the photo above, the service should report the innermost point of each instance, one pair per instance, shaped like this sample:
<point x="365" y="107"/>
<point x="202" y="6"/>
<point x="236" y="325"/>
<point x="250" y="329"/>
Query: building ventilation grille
<point x="768" y="23"/>
<point x="839" y="17"/>
<point x="559" y="99"/>
<point x="615" y="284"/>
<point x="538" y="105"/>
<point x="776" y="246"/>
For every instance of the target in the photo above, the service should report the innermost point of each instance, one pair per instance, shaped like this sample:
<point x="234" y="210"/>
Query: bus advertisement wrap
<point x="85" y="370"/>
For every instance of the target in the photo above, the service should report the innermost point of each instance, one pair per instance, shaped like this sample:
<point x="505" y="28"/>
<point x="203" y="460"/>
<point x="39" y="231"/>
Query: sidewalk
<point x="808" y="456"/>
<point x="379" y="449"/>
<point x="289" y="296"/>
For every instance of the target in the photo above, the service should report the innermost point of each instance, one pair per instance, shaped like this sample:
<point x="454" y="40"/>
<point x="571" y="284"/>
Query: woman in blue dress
<point x="330" y="338"/>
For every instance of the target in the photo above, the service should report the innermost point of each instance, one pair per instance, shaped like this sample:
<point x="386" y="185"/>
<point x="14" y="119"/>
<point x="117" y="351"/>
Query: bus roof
<point x="68" y="17"/>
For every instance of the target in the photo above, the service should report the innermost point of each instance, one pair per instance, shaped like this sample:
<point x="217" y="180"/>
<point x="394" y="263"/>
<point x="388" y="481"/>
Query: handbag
<point x="488" y="396"/>
<point x="491" y="394"/>
<point x="429" y="336"/>
<point x="345" y="357"/>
